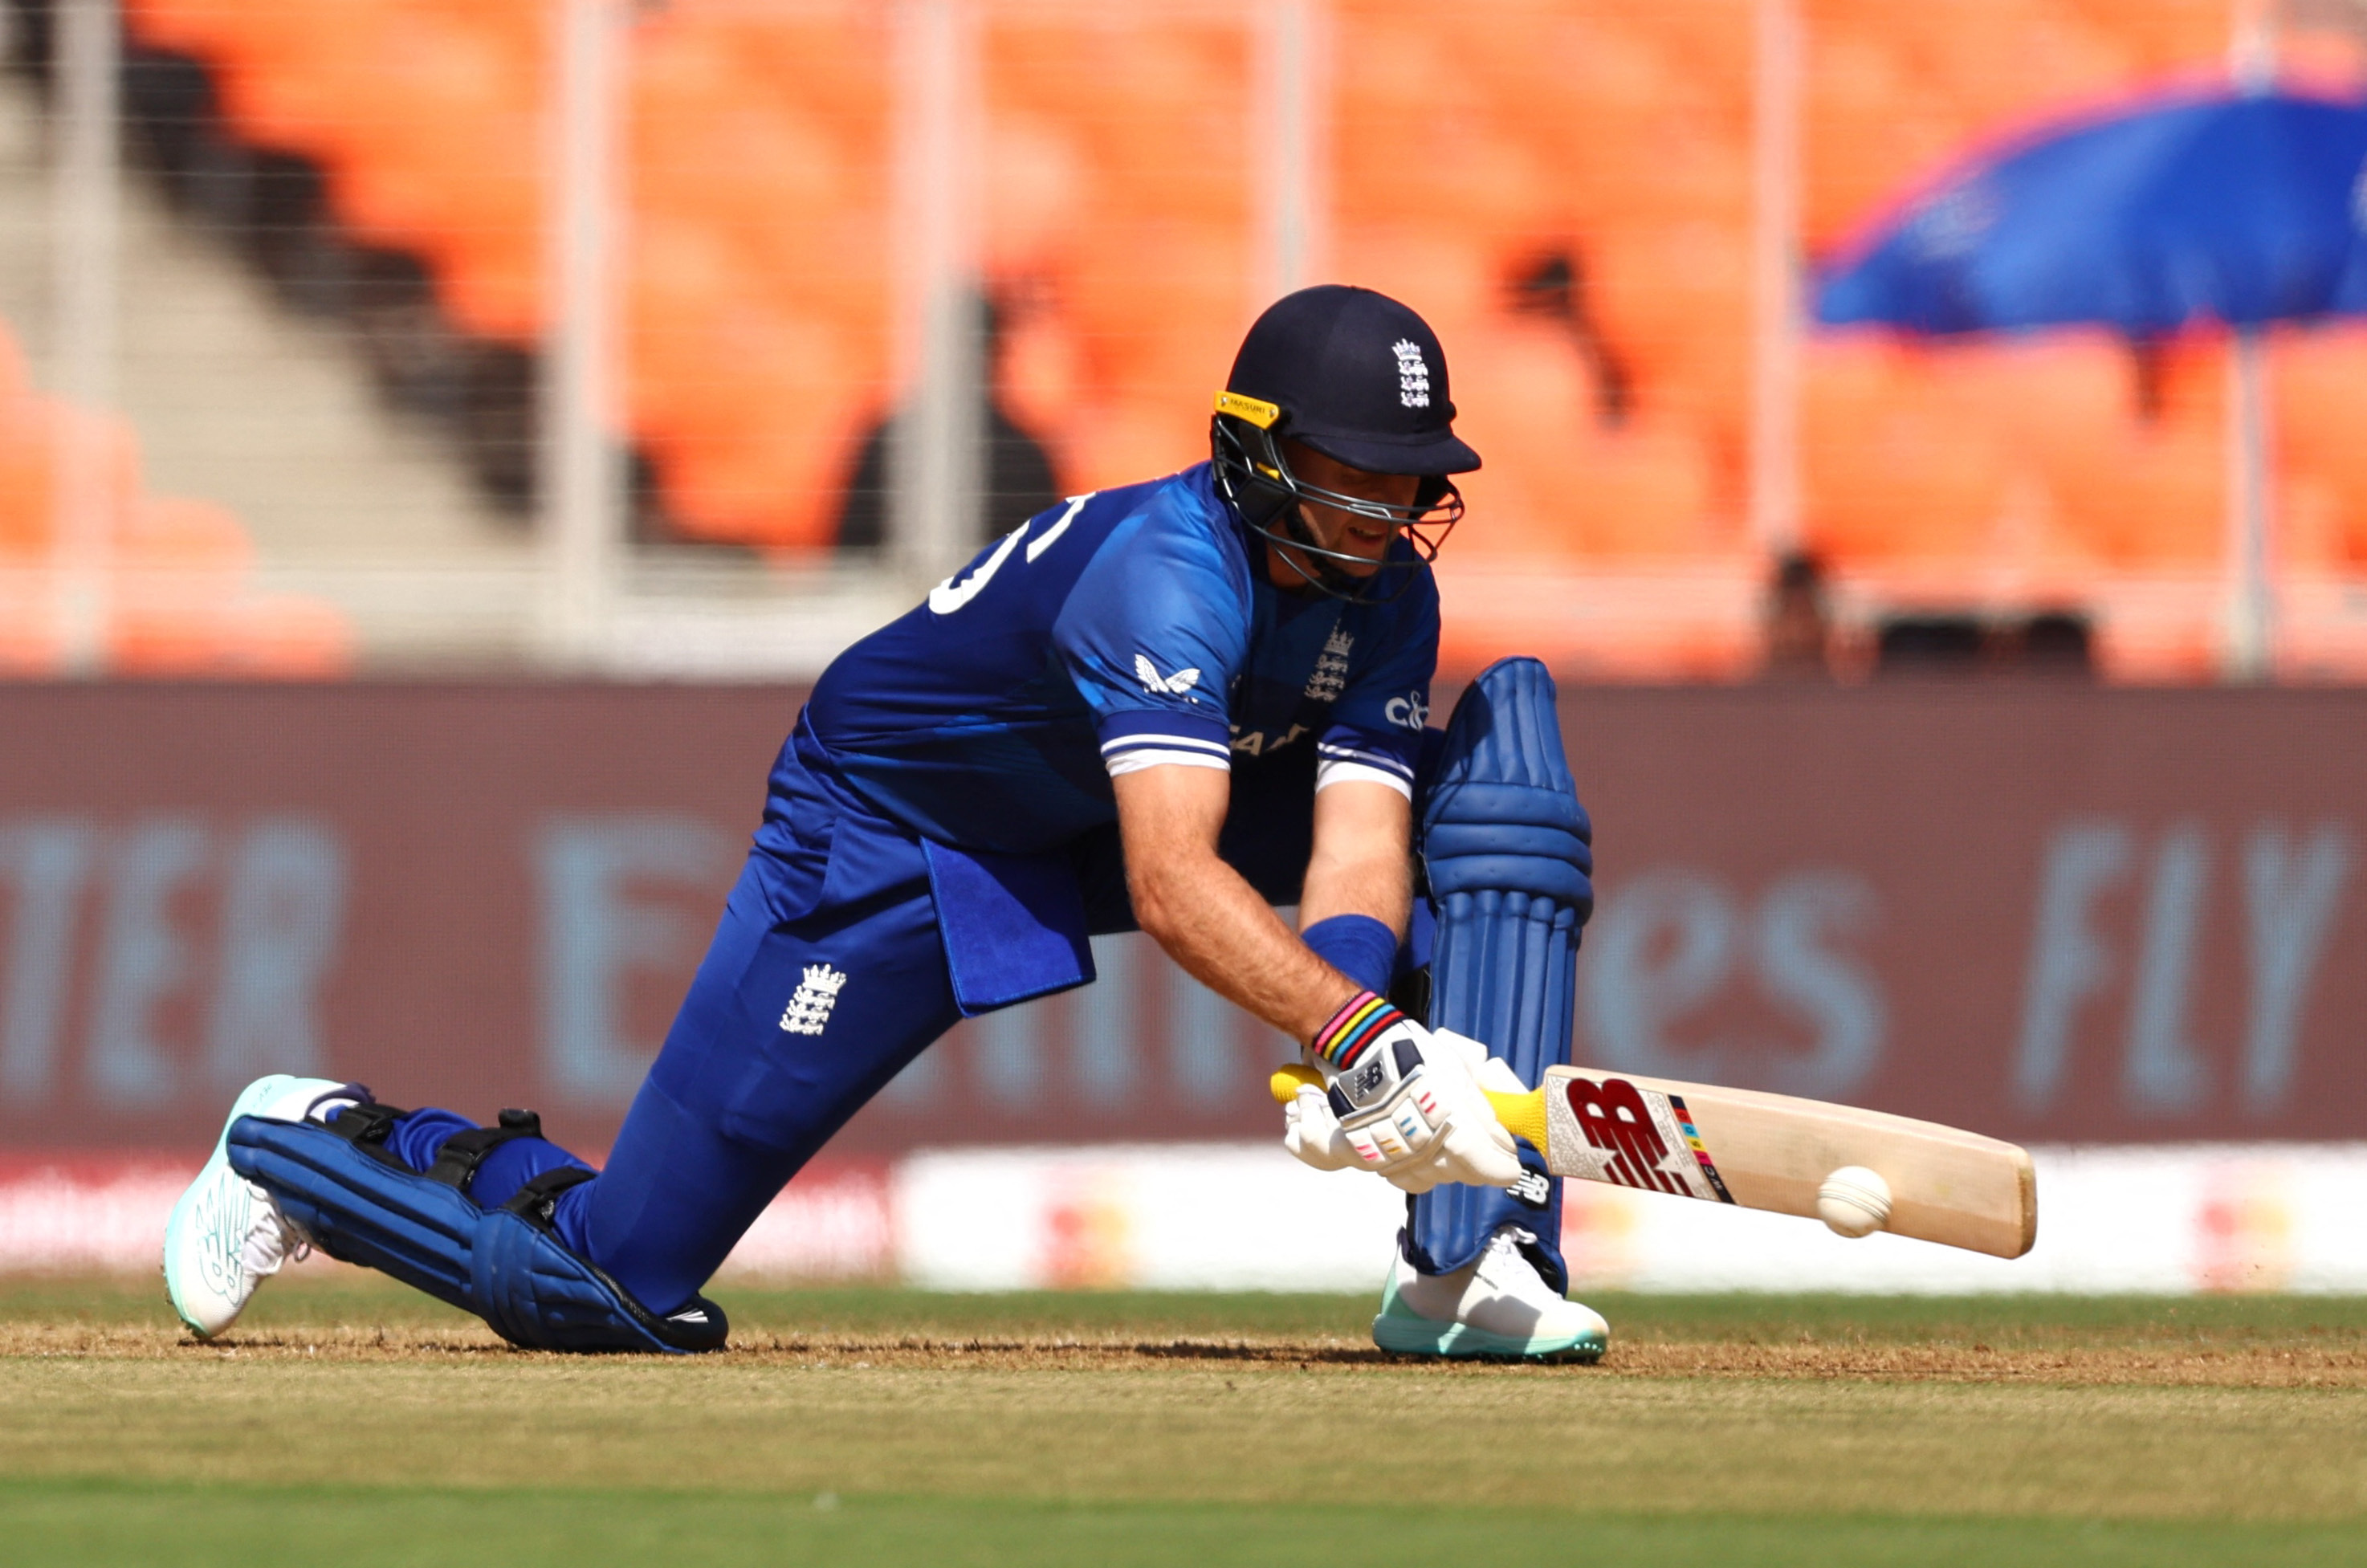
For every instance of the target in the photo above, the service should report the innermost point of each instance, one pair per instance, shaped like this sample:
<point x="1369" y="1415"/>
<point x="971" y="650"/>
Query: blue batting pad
<point x="1508" y="850"/>
<point x="496" y="1263"/>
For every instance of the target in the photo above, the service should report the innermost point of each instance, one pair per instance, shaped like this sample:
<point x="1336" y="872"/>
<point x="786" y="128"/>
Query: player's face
<point x="1367" y="538"/>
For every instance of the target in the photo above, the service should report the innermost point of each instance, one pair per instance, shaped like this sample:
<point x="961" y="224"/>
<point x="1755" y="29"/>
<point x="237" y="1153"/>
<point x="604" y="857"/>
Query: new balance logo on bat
<point x="1176" y="684"/>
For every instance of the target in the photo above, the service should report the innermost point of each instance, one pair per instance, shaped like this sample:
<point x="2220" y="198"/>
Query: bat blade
<point x="1772" y="1151"/>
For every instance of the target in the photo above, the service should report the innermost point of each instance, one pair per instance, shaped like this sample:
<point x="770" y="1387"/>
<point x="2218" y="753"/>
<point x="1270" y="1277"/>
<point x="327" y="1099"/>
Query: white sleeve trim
<point x="1164" y="742"/>
<point x="1331" y="753"/>
<point x="1330" y="771"/>
<point x="1142" y="756"/>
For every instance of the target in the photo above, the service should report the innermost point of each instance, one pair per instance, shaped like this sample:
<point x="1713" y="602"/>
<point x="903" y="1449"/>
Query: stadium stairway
<point x="267" y="415"/>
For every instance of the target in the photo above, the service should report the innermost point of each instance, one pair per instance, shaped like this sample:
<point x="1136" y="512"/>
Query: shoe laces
<point x="1505" y="1264"/>
<point x="271" y="1242"/>
<point x="1510" y="1240"/>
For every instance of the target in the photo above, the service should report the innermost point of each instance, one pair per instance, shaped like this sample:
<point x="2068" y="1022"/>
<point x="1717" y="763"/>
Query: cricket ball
<point x="1854" y="1202"/>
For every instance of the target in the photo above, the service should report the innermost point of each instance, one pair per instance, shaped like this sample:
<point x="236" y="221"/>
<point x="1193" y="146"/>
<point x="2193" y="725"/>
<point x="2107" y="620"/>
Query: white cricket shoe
<point x="1497" y="1305"/>
<point x="226" y="1235"/>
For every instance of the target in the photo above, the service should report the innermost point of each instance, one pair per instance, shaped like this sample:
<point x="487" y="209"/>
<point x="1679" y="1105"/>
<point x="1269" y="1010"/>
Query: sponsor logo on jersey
<point x="1152" y="681"/>
<point x="1257" y="742"/>
<point x="1414" y="373"/>
<point x="1410" y="711"/>
<point x="809" y="1007"/>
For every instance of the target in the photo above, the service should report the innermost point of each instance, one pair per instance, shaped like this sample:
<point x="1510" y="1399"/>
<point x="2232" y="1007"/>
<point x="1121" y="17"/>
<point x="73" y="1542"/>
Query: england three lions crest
<point x="809" y="1007"/>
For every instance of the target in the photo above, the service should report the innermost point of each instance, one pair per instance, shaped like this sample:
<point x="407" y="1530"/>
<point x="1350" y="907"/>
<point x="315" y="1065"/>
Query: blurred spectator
<point x="1944" y="645"/>
<point x="1555" y="286"/>
<point x="2058" y="643"/>
<point x="1019" y="480"/>
<point x="2052" y="644"/>
<point x="1799" y="621"/>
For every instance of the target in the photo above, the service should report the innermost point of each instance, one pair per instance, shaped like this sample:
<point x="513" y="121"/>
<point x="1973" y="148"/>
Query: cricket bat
<point x="1772" y="1151"/>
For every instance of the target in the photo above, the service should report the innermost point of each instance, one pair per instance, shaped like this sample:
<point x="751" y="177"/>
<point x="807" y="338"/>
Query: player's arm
<point x="1218" y="927"/>
<point x="1363" y="862"/>
<point x="1212" y="921"/>
<point x="1400" y="1102"/>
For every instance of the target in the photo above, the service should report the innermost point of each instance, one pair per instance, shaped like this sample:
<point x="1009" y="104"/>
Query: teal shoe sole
<point x="1421" y="1337"/>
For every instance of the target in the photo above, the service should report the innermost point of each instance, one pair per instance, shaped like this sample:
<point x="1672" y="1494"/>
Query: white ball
<point x="1853" y="1201"/>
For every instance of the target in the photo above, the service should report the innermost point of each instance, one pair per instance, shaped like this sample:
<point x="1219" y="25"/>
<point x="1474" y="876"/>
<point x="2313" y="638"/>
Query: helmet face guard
<point x="1253" y="475"/>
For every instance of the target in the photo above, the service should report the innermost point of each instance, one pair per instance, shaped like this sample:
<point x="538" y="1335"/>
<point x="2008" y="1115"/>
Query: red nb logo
<point x="1617" y="1121"/>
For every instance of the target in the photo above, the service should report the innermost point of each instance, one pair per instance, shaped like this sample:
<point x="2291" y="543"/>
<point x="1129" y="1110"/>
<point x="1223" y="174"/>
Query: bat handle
<point x="1289" y="1079"/>
<point x="1523" y="1114"/>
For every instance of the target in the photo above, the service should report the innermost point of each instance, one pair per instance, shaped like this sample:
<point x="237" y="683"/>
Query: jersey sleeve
<point x="1375" y="731"/>
<point x="1152" y="636"/>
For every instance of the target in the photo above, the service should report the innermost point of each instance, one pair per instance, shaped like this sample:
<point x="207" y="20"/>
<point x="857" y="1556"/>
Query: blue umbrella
<point x="2231" y="207"/>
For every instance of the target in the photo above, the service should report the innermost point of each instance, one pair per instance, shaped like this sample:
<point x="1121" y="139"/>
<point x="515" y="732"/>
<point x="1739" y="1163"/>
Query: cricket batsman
<point x="1168" y="707"/>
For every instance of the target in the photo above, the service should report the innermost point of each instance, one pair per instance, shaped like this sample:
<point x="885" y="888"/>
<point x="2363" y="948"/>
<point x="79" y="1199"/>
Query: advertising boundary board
<point x="2142" y="1220"/>
<point x="2050" y="913"/>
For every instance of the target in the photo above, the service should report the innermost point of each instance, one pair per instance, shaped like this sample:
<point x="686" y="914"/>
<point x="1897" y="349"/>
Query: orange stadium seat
<point x="757" y="322"/>
<point x="182" y="606"/>
<point x="2321" y="473"/>
<point x="1872" y="130"/>
<point x="1132" y="301"/>
<point x="28" y="524"/>
<point x="176" y="569"/>
<point x="1559" y="487"/>
<point x="1615" y="137"/>
<point x="1120" y="234"/>
<point x="1890" y="473"/>
<point x="32" y="435"/>
<point x="2121" y="491"/>
<point x="2147" y="496"/>
<point x="442" y="153"/>
<point x="180" y="566"/>
<point x="2164" y="37"/>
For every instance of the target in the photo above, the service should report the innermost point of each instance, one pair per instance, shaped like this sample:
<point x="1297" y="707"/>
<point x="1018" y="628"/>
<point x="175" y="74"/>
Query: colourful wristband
<point x="1353" y="1028"/>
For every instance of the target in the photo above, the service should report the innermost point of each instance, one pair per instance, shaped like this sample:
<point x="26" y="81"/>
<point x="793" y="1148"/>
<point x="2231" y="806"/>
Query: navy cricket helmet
<point x="1362" y="380"/>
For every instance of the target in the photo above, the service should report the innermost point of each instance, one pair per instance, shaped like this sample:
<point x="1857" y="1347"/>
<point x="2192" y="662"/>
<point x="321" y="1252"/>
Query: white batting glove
<point x="1312" y="1133"/>
<point x="1406" y="1101"/>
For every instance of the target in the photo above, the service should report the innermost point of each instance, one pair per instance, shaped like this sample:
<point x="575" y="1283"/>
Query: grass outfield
<point x="870" y="1425"/>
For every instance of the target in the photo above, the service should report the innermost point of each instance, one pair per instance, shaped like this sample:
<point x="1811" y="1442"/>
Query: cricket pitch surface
<point x="878" y="1425"/>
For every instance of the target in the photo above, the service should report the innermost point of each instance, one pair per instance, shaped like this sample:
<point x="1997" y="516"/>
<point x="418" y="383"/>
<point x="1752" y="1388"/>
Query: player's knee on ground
<point x="349" y="1188"/>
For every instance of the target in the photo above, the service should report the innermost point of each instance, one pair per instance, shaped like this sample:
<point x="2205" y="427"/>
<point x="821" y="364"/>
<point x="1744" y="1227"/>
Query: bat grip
<point x="1523" y="1114"/>
<point x="1290" y="1078"/>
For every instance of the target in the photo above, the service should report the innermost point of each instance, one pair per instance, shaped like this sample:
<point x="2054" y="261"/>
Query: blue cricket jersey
<point x="1119" y="630"/>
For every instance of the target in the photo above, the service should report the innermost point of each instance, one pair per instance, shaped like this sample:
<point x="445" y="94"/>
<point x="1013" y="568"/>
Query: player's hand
<point x="1406" y="1102"/>
<point x="1311" y="1130"/>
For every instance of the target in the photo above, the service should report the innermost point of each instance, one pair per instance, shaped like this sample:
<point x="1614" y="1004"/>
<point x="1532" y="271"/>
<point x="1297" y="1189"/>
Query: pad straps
<point x="457" y="1162"/>
<point x="366" y="1124"/>
<point x="537" y="1200"/>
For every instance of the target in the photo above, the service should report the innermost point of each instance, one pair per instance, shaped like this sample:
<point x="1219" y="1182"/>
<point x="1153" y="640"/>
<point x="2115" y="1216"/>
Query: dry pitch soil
<point x="2336" y="1361"/>
<point x="2227" y="1341"/>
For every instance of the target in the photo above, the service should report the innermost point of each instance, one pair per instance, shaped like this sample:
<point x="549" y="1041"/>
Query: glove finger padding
<point x="1311" y="1133"/>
